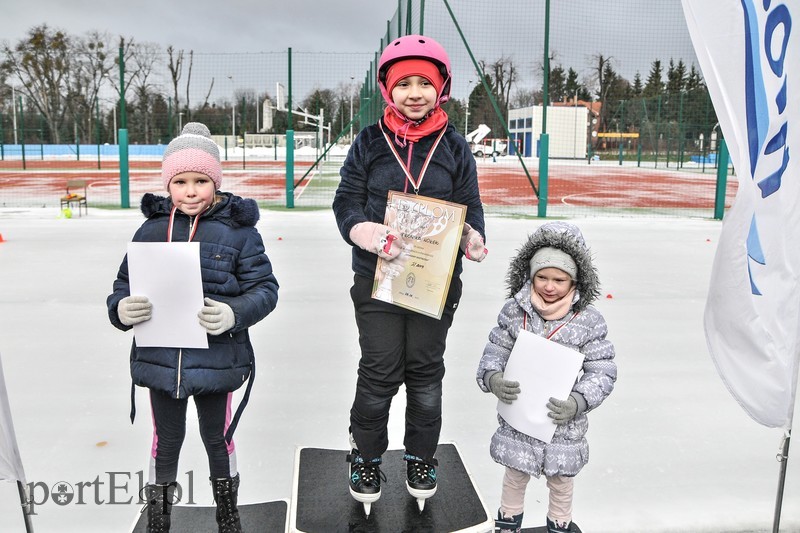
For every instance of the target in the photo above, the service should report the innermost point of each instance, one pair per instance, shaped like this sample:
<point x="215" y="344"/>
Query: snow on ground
<point x="670" y="449"/>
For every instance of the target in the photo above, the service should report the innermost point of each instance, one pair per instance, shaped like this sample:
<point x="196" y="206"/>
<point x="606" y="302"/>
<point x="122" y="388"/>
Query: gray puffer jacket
<point x="586" y="333"/>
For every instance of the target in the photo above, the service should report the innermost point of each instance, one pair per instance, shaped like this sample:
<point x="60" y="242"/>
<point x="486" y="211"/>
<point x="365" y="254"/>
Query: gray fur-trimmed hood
<point x="567" y="238"/>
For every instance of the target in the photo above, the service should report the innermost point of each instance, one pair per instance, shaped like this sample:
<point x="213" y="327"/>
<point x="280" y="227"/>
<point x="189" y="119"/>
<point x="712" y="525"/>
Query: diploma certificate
<point x="419" y="278"/>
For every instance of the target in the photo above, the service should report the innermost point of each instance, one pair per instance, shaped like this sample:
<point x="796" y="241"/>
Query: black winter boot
<point x="226" y="494"/>
<point x="555" y="527"/>
<point x="508" y="525"/>
<point x="159" y="506"/>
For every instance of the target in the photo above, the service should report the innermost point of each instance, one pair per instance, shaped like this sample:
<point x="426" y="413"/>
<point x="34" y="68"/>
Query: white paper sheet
<point x="544" y="369"/>
<point x="168" y="273"/>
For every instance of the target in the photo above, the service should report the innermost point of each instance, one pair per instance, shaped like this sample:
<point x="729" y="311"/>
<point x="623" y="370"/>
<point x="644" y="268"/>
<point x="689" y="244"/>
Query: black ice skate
<point x="421" y="479"/>
<point x="365" y="479"/>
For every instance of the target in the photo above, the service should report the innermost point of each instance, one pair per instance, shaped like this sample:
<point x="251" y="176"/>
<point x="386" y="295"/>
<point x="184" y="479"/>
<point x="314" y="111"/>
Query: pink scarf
<point x="407" y="130"/>
<point x="555" y="310"/>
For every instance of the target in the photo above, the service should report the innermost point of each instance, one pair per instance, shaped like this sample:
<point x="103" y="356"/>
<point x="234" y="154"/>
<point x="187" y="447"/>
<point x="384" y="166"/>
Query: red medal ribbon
<point x="414" y="183"/>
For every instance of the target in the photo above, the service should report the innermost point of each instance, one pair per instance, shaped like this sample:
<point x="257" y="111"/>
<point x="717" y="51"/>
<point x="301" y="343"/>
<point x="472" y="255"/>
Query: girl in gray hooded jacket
<point x="552" y="283"/>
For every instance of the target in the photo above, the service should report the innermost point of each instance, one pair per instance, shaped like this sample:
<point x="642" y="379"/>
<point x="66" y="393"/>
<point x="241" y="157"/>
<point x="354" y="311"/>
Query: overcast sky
<point x="215" y="26"/>
<point x="632" y="33"/>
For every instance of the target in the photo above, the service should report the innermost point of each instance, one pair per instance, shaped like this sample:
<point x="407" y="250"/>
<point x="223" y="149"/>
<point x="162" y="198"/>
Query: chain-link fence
<point x="630" y="127"/>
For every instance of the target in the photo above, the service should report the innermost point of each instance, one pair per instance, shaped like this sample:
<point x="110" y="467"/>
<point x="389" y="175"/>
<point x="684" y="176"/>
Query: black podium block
<point x="264" y="517"/>
<point x="321" y="500"/>
<point x="543" y="529"/>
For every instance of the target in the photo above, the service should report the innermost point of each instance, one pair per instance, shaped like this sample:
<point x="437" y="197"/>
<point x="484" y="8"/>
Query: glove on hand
<point x="562" y="411"/>
<point x="472" y="244"/>
<point x="505" y="390"/>
<point x="216" y="317"/>
<point x="134" y="310"/>
<point x="378" y="239"/>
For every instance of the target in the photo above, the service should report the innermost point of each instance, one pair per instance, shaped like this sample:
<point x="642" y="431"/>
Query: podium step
<point x="264" y="517"/>
<point x="321" y="500"/>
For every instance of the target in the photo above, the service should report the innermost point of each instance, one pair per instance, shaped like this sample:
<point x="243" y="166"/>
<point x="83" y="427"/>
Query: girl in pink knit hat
<point x="239" y="288"/>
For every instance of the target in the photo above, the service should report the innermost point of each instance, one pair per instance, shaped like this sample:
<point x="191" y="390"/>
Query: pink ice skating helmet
<point x="414" y="47"/>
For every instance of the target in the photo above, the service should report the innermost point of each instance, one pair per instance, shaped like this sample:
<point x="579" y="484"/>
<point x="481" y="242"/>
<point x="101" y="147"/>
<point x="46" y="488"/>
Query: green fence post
<point x="124" y="170"/>
<point x="544" y="151"/>
<point x="41" y="137"/>
<point x="289" y="169"/>
<point x="97" y="130"/>
<point x="289" y="141"/>
<point x="722" y="180"/>
<point x="22" y="132"/>
<point x="620" y="151"/>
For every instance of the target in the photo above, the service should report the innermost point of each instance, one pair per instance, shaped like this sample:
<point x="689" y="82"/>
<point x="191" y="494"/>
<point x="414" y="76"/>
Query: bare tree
<point x="524" y="98"/>
<point x="175" y="65"/>
<point x="189" y="80"/>
<point x="146" y="57"/>
<point x="504" y="75"/>
<point x="41" y="63"/>
<point x="92" y="66"/>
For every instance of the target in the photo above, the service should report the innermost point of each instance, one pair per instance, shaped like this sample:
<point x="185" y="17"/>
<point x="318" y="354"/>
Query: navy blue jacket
<point x="371" y="170"/>
<point x="234" y="270"/>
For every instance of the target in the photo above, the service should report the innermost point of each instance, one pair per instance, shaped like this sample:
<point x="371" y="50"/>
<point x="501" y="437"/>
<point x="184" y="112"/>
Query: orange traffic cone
<point x="1" y="238"/>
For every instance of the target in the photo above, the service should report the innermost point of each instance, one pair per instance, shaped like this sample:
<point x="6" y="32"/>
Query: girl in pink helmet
<point x="411" y="149"/>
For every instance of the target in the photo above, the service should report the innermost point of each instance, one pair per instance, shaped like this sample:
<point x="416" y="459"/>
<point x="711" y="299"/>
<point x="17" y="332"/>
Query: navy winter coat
<point x="234" y="270"/>
<point x="371" y="170"/>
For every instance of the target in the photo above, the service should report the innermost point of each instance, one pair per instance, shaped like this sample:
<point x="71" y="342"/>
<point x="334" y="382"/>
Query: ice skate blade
<point x="421" y="495"/>
<point x="366" y="499"/>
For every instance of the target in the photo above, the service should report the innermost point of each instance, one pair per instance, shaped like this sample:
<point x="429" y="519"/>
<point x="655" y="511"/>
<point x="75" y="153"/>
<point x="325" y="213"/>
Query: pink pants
<point x="512" y="499"/>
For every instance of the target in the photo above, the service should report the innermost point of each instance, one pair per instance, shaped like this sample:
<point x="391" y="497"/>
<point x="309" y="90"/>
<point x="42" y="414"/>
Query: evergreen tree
<point x="637" y="88"/>
<point x="654" y="86"/>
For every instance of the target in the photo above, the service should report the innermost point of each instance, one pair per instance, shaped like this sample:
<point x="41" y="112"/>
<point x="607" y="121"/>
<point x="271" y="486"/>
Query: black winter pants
<point x="169" y="430"/>
<point x="399" y="346"/>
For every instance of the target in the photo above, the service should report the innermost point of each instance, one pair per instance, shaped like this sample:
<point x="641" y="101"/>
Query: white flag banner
<point x="749" y="53"/>
<point x="10" y="461"/>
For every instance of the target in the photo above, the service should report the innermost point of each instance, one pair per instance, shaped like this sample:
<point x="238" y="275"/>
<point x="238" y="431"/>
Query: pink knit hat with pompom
<point x="192" y="151"/>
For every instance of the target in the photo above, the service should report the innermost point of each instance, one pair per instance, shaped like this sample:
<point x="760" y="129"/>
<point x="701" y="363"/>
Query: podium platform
<point x="264" y="517"/>
<point x="543" y="529"/>
<point x="321" y="500"/>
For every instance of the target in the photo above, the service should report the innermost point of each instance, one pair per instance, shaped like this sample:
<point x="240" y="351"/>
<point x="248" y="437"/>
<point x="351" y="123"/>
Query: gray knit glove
<point x="505" y="390"/>
<point x="133" y="310"/>
<point x="562" y="411"/>
<point x="216" y="317"/>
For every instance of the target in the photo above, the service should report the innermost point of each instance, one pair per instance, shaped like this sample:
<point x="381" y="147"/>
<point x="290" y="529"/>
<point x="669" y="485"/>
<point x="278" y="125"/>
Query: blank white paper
<point x="168" y="273"/>
<point x="544" y="370"/>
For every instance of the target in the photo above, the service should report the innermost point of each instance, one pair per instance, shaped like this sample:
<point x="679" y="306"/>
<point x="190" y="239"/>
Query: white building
<point x="567" y="127"/>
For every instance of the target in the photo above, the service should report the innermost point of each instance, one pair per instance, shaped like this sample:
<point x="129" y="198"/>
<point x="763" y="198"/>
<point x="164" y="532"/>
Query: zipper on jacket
<point x="178" y="389"/>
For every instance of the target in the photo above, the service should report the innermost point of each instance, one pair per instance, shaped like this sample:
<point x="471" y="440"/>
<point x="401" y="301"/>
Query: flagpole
<point x="783" y="458"/>
<point x="23" y="498"/>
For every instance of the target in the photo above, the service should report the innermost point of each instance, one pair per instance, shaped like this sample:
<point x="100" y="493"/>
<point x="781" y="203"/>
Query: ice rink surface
<point x="670" y="449"/>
